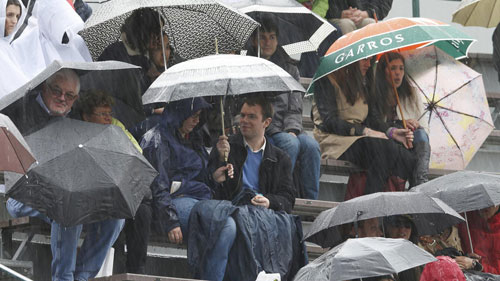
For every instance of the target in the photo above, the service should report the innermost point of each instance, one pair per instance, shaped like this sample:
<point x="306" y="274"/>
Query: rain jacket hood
<point x="176" y="112"/>
<point x="3" y="8"/>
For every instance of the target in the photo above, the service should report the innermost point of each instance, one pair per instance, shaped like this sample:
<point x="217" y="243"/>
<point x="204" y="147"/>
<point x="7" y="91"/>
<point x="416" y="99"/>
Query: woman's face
<point x="397" y="68"/>
<point x="13" y="12"/>
<point x="364" y="65"/>
<point x="399" y="229"/>
<point x="190" y="123"/>
<point x="488" y="212"/>
<point x="101" y="115"/>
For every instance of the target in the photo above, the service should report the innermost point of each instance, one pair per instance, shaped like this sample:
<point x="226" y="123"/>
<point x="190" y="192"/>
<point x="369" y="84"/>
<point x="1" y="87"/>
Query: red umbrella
<point x="14" y="154"/>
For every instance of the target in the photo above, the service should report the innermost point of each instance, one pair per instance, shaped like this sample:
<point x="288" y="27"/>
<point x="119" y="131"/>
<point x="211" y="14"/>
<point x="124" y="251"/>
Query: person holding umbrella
<point x="340" y="110"/>
<point x="175" y="149"/>
<point x="286" y="129"/>
<point x="56" y="98"/>
<point x="385" y="105"/>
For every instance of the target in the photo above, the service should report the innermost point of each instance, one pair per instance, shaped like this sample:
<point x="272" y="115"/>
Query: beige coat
<point x="331" y="145"/>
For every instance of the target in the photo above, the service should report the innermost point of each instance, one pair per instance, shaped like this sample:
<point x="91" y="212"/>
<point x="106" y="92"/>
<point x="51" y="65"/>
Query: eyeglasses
<point x="56" y="92"/>
<point x="104" y="114"/>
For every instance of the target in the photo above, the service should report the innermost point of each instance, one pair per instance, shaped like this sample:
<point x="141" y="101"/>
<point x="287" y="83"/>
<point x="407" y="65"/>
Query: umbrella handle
<point x="222" y="122"/>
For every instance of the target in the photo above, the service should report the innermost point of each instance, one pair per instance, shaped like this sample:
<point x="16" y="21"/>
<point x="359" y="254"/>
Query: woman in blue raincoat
<point x="175" y="149"/>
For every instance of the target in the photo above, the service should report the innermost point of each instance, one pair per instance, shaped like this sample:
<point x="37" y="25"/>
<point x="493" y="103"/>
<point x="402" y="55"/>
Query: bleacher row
<point x="19" y="233"/>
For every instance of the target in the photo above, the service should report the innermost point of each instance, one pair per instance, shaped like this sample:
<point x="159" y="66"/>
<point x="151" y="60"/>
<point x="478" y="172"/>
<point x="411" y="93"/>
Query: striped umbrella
<point x="393" y="34"/>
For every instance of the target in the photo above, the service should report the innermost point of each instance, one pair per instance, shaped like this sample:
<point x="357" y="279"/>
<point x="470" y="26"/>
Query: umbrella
<point x="484" y="13"/>
<point x="87" y="172"/>
<point x="219" y="75"/>
<point x="392" y="34"/>
<point x="15" y="155"/>
<point x="192" y="25"/>
<point x="456" y="106"/>
<point x="365" y="257"/>
<point x="117" y="78"/>
<point x="464" y="191"/>
<point x="300" y="30"/>
<point x="430" y="215"/>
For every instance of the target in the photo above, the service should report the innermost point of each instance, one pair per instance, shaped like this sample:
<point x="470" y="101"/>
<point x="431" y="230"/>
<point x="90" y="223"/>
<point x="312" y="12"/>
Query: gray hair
<point x="66" y="74"/>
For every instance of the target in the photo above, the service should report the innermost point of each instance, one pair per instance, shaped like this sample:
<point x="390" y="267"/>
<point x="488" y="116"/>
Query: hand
<point x="374" y="134"/>
<point x="404" y="136"/>
<point x="474" y="256"/>
<point x="347" y="14"/>
<point x="220" y="174"/>
<point x="465" y="263"/>
<point x="223" y="148"/>
<point x="175" y="235"/>
<point x="260" y="200"/>
<point x="293" y="134"/>
<point x="412" y="124"/>
<point x="158" y="110"/>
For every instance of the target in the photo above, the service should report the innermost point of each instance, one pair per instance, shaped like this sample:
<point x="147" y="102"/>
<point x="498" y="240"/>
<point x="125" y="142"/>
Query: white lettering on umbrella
<point x="371" y="45"/>
<point x="456" y="43"/>
<point x="386" y="41"/>
<point x="399" y="38"/>
<point x="341" y="56"/>
<point x="360" y="48"/>
<point x="349" y="54"/>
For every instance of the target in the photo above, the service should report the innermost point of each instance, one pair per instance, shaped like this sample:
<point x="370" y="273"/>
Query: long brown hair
<point x="382" y="94"/>
<point x="350" y="81"/>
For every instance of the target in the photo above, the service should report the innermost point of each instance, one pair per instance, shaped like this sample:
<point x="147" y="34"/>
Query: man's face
<point x="60" y="95"/>
<point x="268" y="44"/>
<point x="370" y="228"/>
<point x="157" y="54"/>
<point x="252" y="124"/>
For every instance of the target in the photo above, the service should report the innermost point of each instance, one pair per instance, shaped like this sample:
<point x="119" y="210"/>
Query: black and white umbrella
<point x="365" y="257"/>
<point x="300" y="30"/>
<point x="193" y="26"/>
<point x="219" y="75"/>
<point x="86" y="172"/>
<point x="429" y="214"/>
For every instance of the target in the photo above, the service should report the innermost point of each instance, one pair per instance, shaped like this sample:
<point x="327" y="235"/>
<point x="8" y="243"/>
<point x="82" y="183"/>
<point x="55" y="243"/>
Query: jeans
<point x="66" y="264"/>
<point x="420" y="135"/>
<point x="215" y="265"/>
<point x="306" y="149"/>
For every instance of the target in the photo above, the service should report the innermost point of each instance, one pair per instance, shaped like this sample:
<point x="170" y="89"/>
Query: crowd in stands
<point x="230" y="198"/>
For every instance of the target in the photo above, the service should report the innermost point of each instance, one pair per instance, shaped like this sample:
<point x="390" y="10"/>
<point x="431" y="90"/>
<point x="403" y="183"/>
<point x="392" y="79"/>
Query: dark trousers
<point x="380" y="158"/>
<point x="137" y="233"/>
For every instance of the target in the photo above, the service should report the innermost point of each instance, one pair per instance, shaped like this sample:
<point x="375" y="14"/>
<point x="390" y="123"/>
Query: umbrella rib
<point x="470" y="15"/>
<point x="418" y="86"/>
<point x="452" y="92"/>
<point x="436" y="74"/>
<point x="458" y="112"/>
<point x="446" y="128"/>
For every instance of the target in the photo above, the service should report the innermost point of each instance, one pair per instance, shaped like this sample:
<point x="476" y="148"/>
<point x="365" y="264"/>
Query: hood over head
<point x="176" y="112"/>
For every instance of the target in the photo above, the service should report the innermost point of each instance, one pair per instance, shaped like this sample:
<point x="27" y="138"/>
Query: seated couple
<point x="222" y="236"/>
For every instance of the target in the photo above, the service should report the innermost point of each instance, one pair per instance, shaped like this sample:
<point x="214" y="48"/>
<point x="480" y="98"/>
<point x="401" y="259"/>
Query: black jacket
<point x="275" y="174"/>
<point x="380" y="7"/>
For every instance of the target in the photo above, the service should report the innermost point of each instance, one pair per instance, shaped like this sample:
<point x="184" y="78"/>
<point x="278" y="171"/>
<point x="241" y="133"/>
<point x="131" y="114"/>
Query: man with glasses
<point x="56" y="98"/>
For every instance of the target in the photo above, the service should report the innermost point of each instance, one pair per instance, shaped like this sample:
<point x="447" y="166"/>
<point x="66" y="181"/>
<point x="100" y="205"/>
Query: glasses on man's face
<point x="104" y="114"/>
<point x="57" y="92"/>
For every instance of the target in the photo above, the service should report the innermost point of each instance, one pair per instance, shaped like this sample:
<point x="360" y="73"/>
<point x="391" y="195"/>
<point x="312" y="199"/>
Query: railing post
<point x="416" y="8"/>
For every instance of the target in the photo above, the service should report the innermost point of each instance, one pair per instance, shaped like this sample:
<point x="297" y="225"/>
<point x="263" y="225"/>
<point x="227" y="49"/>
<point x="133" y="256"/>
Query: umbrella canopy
<point x="430" y="215"/>
<point x="484" y="13"/>
<point x="456" y="106"/>
<point x="192" y="25"/>
<point x="87" y="172"/>
<point x="392" y="34"/>
<point x="300" y="30"/>
<point x="219" y="75"/>
<point x="15" y="155"/>
<point x="365" y="257"/>
<point x="464" y="191"/>
<point x="119" y="79"/>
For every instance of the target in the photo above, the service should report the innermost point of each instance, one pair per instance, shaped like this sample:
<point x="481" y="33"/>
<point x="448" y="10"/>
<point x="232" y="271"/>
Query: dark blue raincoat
<point x="176" y="159"/>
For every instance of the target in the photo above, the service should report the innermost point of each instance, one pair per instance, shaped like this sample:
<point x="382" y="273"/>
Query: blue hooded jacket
<point x="176" y="159"/>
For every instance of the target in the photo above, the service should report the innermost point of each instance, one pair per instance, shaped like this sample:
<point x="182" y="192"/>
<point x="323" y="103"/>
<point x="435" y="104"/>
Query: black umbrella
<point x="430" y="215"/>
<point x="86" y="172"/>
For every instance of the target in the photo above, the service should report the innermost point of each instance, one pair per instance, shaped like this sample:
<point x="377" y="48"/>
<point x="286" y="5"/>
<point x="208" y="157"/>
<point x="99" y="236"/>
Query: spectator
<point x="484" y="226"/>
<point x="175" y="149"/>
<point x="262" y="173"/>
<point x="56" y="98"/>
<point x="402" y="226"/>
<point x="365" y="228"/>
<point x="13" y="10"/>
<point x="350" y="15"/>
<point x="384" y="104"/>
<point x="445" y="268"/>
<point x="339" y="113"/>
<point x="286" y="129"/>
